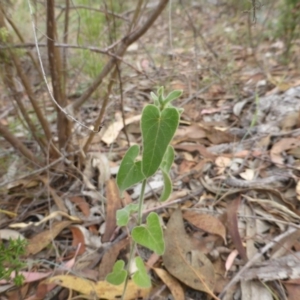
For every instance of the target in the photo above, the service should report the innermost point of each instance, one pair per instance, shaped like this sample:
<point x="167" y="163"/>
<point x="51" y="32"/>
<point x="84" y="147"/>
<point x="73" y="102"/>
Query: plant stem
<point x="132" y="247"/>
<point x="133" y="243"/>
<point x="141" y="202"/>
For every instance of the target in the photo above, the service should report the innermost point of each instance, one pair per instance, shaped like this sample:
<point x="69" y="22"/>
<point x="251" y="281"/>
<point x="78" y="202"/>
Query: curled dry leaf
<point x="230" y="259"/>
<point x="192" y="132"/>
<point x="44" y="238"/>
<point x="188" y="265"/>
<point x="96" y="163"/>
<point x="283" y="145"/>
<point x="7" y="234"/>
<point x="110" y="257"/>
<point x="253" y="290"/>
<point x="232" y="210"/>
<point x="112" y="132"/>
<point x="206" y="223"/>
<point x="173" y="285"/>
<point x="53" y="215"/>
<point x="298" y="190"/>
<point x="286" y="267"/>
<point x="78" y="239"/>
<point x="113" y="204"/>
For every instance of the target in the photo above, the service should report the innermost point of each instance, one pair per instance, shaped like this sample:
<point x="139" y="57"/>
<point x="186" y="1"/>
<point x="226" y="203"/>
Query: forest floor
<point x="235" y="177"/>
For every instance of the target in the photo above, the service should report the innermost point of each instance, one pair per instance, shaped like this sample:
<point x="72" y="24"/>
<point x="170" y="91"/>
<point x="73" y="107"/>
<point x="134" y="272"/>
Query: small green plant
<point x="10" y="260"/>
<point x="158" y="125"/>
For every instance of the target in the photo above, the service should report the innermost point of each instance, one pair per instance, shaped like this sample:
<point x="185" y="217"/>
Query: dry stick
<point x="106" y="51"/>
<point x="18" y="33"/>
<point x="134" y="21"/>
<point x="10" y="83"/>
<point x="122" y="102"/>
<point x="63" y="124"/>
<point x="92" y="9"/>
<point x="257" y="256"/>
<point x="65" y="39"/>
<point x="102" y="111"/>
<point x="126" y="41"/>
<point x="62" y="110"/>
<point x="17" y="144"/>
<point x="43" y="121"/>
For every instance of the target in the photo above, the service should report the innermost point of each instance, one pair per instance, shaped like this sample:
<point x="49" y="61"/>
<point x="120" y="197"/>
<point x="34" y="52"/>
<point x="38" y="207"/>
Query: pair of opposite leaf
<point x="158" y="125"/>
<point x="119" y="274"/>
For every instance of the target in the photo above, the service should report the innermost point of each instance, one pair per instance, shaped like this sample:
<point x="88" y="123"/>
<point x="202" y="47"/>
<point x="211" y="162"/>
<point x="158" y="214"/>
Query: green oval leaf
<point x="118" y="275"/>
<point x="158" y="129"/>
<point x="150" y="235"/>
<point x="167" y="187"/>
<point x="124" y="213"/>
<point x="168" y="159"/>
<point x="172" y="96"/>
<point x="130" y="171"/>
<point x="140" y="277"/>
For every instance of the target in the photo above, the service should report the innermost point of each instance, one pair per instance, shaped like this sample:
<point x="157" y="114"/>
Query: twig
<point x="44" y="74"/>
<point x="257" y="256"/>
<point x="126" y="41"/>
<point x="17" y="144"/>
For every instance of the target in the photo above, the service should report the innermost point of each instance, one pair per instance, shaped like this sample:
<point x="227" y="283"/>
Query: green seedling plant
<point x="159" y="122"/>
<point x="10" y="260"/>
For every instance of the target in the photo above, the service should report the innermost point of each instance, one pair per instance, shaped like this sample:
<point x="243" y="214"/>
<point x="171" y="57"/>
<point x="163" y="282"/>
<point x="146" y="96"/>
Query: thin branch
<point x="63" y="126"/>
<point x="126" y="41"/>
<point x="18" y="145"/>
<point x="62" y="110"/>
<point x="99" y="119"/>
<point x="43" y="121"/>
<point x="65" y="39"/>
<point x="18" y="33"/>
<point x="90" y="8"/>
<point x="106" y="51"/>
<point x="257" y="256"/>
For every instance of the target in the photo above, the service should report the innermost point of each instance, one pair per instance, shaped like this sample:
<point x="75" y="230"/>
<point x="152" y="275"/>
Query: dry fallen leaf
<point x="78" y="239"/>
<point x="173" y="285"/>
<point x="96" y="163"/>
<point x="114" y="129"/>
<point x="252" y="290"/>
<point x="283" y="145"/>
<point x="293" y="288"/>
<point x="206" y="223"/>
<point x="101" y="289"/>
<point x="232" y="210"/>
<point x="248" y="174"/>
<point x="110" y="257"/>
<point x="44" y="238"/>
<point x="113" y="204"/>
<point x="188" y="265"/>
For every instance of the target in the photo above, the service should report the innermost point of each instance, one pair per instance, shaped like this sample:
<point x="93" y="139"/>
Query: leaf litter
<point x="233" y="216"/>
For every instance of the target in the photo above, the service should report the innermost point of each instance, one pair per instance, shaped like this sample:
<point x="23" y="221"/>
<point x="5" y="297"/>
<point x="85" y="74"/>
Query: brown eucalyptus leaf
<point x="174" y="286"/>
<point x="113" y="204"/>
<point x="232" y="210"/>
<point x="206" y="223"/>
<point x="43" y="239"/>
<point x="184" y="262"/>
